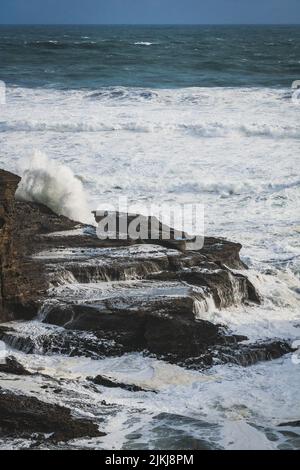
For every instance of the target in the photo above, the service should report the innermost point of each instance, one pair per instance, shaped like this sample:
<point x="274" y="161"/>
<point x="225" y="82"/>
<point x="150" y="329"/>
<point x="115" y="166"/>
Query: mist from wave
<point x="54" y="185"/>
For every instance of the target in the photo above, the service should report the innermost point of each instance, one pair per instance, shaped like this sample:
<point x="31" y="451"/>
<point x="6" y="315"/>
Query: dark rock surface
<point x="293" y="424"/>
<point x="62" y="341"/>
<point x="22" y="416"/>
<point x="106" y="382"/>
<point x="9" y="267"/>
<point x="116" y="296"/>
<point x="242" y="354"/>
<point x="96" y="298"/>
<point x="12" y="366"/>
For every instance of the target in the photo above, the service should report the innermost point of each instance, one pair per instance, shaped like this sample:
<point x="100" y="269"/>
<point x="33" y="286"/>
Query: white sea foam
<point x="242" y="407"/>
<point x="234" y="150"/>
<point x="200" y="130"/>
<point x="54" y="185"/>
<point x="143" y="43"/>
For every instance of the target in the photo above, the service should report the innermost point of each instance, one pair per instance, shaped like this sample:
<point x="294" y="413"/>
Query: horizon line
<point x="150" y="24"/>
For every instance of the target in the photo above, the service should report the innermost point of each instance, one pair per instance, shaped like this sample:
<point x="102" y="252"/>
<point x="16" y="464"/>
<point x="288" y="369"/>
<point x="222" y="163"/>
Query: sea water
<point x="174" y="115"/>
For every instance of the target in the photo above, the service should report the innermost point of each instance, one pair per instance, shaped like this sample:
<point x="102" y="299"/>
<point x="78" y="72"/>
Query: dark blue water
<point x="178" y="56"/>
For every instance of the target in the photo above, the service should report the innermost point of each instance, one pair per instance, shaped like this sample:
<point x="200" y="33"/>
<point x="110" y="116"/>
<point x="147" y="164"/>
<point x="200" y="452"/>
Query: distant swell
<point x="62" y="45"/>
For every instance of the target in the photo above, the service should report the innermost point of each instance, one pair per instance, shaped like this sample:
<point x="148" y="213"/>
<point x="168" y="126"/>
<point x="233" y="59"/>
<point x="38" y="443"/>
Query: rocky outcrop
<point x="290" y="424"/>
<point x="115" y="296"/>
<point x="22" y="416"/>
<point x="12" y="366"/>
<point x="9" y="269"/>
<point x="22" y="282"/>
<point x="106" y="382"/>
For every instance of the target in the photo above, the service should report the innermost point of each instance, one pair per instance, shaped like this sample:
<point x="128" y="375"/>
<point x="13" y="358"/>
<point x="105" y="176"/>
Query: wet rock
<point x="62" y="341"/>
<point x="12" y="366"/>
<point x="240" y="354"/>
<point x="107" y="382"/>
<point x="30" y="229"/>
<point x="22" y="416"/>
<point x="153" y="317"/>
<point x="293" y="424"/>
<point x="113" y="296"/>
<point x="9" y="266"/>
<point x="223" y="252"/>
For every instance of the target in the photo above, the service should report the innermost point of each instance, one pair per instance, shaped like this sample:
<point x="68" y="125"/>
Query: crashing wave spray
<point x="54" y="185"/>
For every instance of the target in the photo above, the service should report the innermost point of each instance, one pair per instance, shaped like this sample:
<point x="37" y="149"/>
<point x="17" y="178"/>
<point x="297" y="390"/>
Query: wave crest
<point x="54" y="185"/>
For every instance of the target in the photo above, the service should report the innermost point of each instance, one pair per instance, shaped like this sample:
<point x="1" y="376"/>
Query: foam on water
<point x="235" y="150"/>
<point x="241" y="406"/>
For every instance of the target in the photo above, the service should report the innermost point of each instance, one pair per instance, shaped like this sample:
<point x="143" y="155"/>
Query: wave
<point x="46" y="44"/>
<point x="122" y="93"/>
<point x="241" y="97"/>
<point x="52" y="44"/>
<point x="217" y="187"/>
<point x="54" y="185"/>
<point x="201" y="130"/>
<point x="274" y="131"/>
<point x="205" y="130"/>
<point x="213" y="129"/>
<point x="224" y="188"/>
<point x="143" y="43"/>
<point x="81" y="126"/>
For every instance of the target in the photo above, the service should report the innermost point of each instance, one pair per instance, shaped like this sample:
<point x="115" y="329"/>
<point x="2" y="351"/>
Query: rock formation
<point x="9" y="268"/>
<point x="105" y="298"/>
<point x="129" y="295"/>
<point x="28" y="417"/>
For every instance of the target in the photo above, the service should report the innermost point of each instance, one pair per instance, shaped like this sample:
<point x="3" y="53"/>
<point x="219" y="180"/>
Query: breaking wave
<point x="54" y="185"/>
<point x="196" y="129"/>
<point x="143" y="43"/>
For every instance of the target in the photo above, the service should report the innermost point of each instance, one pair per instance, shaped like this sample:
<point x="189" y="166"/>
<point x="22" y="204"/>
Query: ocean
<point x="199" y="114"/>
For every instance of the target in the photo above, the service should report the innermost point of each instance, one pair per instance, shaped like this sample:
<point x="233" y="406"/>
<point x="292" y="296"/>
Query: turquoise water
<point x="152" y="56"/>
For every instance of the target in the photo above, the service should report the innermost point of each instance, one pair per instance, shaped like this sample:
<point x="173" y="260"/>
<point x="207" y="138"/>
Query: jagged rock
<point x="128" y="295"/>
<point x="32" y="228"/>
<point x="22" y="416"/>
<point x="106" y="382"/>
<point x="63" y="342"/>
<point x="12" y="366"/>
<point x="240" y="354"/>
<point x="149" y="316"/>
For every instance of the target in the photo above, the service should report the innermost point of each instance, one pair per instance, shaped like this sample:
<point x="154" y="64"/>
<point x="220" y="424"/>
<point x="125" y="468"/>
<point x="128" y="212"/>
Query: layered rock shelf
<point x="97" y="298"/>
<point x="129" y="295"/>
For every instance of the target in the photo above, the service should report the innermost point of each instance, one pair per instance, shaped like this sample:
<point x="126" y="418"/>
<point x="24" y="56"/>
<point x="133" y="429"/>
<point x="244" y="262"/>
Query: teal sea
<point x="152" y="56"/>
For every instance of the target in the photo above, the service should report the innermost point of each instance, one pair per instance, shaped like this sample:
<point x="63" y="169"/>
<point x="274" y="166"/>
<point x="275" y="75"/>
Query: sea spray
<point x="53" y="184"/>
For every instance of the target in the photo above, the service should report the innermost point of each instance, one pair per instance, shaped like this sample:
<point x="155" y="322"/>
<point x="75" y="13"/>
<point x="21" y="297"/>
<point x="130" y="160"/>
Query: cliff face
<point x="8" y="267"/>
<point x="23" y="281"/>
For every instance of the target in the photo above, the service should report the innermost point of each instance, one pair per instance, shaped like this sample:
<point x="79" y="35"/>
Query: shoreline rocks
<point x="9" y="270"/>
<point x="27" y="417"/>
<point x="127" y="295"/>
<point x="12" y="366"/>
<point x="107" y="382"/>
<point x="65" y="291"/>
